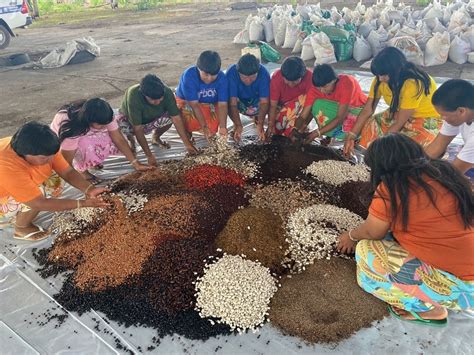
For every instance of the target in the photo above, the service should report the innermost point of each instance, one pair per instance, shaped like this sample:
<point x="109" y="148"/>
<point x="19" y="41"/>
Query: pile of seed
<point x="229" y="198"/>
<point x="338" y="172"/>
<point x="324" y="303"/>
<point x="202" y="177"/>
<point x="70" y="224"/>
<point x="133" y="200"/>
<point x="313" y="233"/>
<point x="258" y="234"/>
<point x="283" y="197"/>
<point x="221" y="153"/>
<point x="235" y="291"/>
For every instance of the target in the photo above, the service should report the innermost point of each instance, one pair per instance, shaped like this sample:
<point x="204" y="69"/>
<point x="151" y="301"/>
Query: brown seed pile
<point x="282" y="197"/>
<point x="258" y="234"/>
<point x="324" y="303"/>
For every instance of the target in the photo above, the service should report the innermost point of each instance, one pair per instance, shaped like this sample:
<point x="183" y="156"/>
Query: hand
<point x="94" y="202"/>
<point x="238" y="132"/>
<point x="141" y="167"/>
<point x="312" y="136"/>
<point x="348" y="149"/>
<point x="345" y="245"/>
<point x="152" y="160"/>
<point x="207" y="133"/>
<point x="270" y="131"/>
<point x="95" y="192"/>
<point x="223" y="131"/>
<point x="261" y="133"/>
<point x="192" y="150"/>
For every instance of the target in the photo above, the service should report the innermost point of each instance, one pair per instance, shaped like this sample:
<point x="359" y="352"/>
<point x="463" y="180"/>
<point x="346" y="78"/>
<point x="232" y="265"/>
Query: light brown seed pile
<point x="336" y="173"/>
<point x="257" y="233"/>
<point x="324" y="303"/>
<point x="313" y="233"/>
<point x="282" y="197"/>
<point x="235" y="291"/>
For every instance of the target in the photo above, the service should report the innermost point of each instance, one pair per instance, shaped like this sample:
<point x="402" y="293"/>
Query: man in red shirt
<point x="334" y="101"/>
<point x="288" y="88"/>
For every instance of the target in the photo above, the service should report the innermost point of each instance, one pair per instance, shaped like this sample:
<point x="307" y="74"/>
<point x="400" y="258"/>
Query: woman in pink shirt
<point x="88" y="134"/>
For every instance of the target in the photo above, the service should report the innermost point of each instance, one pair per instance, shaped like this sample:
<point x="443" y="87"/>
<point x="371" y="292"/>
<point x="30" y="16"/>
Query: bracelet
<point x="350" y="237"/>
<point x="88" y="188"/>
<point x="319" y="133"/>
<point x="351" y="134"/>
<point x="78" y="204"/>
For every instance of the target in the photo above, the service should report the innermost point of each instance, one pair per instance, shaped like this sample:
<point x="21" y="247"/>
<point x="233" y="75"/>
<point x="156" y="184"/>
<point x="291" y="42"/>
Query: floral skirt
<point x="210" y="112"/>
<point x="286" y="118"/>
<point x="127" y="128"/>
<point x="325" y="111"/>
<point x="9" y="207"/>
<point x="421" y="130"/>
<point x="392" y="274"/>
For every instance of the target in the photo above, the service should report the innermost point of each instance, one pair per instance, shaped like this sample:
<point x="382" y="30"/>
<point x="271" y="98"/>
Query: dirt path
<point x="163" y="41"/>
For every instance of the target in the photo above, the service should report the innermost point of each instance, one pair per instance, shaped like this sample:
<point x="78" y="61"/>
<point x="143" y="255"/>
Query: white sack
<point x="409" y="47"/>
<point x="323" y="49"/>
<point x="437" y="49"/>
<point x="362" y="50"/>
<point x="458" y="50"/>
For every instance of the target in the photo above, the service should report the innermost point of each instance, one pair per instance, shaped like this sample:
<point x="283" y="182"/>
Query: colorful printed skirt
<point x="93" y="148"/>
<point x="421" y="130"/>
<point x="390" y="273"/>
<point x="191" y="123"/>
<point x="248" y="107"/>
<point x="286" y="118"/>
<point x="127" y="128"/>
<point x="53" y="187"/>
<point x="325" y="111"/>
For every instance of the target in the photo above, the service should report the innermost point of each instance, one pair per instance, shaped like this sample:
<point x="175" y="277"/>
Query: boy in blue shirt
<point x="202" y="96"/>
<point x="249" y="92"/>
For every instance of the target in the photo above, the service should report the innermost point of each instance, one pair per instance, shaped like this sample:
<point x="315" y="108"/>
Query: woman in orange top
<point x="27" y="161"/>
<point x="425" y="264"/>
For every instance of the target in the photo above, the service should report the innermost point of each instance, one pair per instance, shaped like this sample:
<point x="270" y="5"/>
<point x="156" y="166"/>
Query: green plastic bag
<point x="342" y="40"/>
<point x="269" y="53"/>
<point x="308" y="27"/>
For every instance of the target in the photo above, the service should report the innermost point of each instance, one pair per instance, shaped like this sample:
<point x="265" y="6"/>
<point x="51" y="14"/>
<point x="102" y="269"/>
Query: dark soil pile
<point x="256" y="233"/>
<point x="324" y="303"/>
<point x="356" y="196"/>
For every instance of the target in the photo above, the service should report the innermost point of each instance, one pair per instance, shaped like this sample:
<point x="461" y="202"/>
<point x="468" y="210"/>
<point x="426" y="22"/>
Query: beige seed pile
<point x="236" y="291"/>
<point x="71" y="223"/>
<point x="313" y="232"/>
<point x="336" y="173"/>
<point x="133" y="200"/>
<point x="221" y="153"/>
<point x="282" y="197"/>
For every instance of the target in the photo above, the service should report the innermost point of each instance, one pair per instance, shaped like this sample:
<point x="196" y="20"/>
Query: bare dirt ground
<point x="163" y="41"/>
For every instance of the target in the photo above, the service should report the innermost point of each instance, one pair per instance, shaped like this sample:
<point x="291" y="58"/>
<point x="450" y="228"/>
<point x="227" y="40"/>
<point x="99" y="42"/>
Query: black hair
<point x="401" y="165"/>
<point x="34" y="138"/>
<point x="81" y="114"/>
<point x="293" y="68"/>
<point x="453" y="94"/>
<point x="209" y="62"/>
<point x="248" y="64"/>
<point x="152" y="86"/>
<point x="392" y="62"/>
<point x="323" y="74"/>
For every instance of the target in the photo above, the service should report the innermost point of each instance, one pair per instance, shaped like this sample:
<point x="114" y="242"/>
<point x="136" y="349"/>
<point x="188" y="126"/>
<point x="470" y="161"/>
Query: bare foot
<point x="436" y="313"/>
<point x="35" y="232"/>
<point x="159" y="142"/>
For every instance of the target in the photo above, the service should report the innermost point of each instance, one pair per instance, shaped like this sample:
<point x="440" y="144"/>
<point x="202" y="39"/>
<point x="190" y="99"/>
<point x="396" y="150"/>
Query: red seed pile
<point x="204" y="176"/>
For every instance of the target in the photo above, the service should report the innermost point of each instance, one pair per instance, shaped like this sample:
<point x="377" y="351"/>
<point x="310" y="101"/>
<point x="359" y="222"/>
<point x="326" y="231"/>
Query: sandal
<point x="31" y="236"/>
<point x="418" y="319"/>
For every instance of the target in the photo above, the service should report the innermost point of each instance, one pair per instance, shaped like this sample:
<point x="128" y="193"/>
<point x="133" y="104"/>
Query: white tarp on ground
<point x="26" y="300"/>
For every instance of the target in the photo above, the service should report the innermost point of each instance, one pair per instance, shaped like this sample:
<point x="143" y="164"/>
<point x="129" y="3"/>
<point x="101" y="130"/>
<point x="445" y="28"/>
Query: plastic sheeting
<point x="31" y="320"/>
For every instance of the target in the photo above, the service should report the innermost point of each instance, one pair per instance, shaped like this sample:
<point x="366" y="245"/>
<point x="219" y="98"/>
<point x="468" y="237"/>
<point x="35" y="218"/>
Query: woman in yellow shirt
<point x="408" y="91"/>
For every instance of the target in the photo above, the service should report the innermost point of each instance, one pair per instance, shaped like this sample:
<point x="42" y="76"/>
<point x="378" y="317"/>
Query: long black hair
<point x="401" y="165"/>
<point x="392" y="62"/>
<point x="81" y="114"/>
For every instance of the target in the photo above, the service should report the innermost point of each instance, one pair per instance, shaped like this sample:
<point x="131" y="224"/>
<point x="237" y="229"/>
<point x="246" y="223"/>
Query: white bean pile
<point x="337" y="173"/>
<point x="236" y="291"/>
<point x="313" y="232"/>
<point x="133" y="200"/>
<point x="71" y="223"/>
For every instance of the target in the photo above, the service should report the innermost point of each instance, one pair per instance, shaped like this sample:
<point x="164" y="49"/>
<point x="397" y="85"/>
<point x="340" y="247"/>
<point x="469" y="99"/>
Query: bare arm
<point x="462" y="165"/>
<point x="341" y="115"/>
<point x="140" y="135"/>
<point x="69" y="155"/>
<point x="438" y="146"/>
<point x="179" y="125"/>
<point x="304" y="119"/>
<point x="119" y="140"/>
<point x="235" y="117"/>
<point x="400" y="118"/>
<point x="222" y="115"/>
<point x="200" y="117"/>
<point x="272" y="118"/>
<point x="262" y="113"/>
<point x="362" y="118"/>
